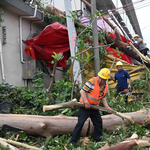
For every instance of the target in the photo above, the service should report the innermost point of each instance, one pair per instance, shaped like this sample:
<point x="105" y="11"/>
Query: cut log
<point x="58" y="125"/>
<point x="127" y="145"/>
<point x="43" y="125"/>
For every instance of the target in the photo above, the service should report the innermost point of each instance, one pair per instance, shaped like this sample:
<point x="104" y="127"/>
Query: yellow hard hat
<point x="104" y="73"/>
<point x="136" y="35"/>
<point x="119" y="63"/>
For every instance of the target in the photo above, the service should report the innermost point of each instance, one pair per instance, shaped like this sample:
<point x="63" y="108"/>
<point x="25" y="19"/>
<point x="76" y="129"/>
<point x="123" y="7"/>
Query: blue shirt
<point x="122" y="79"/>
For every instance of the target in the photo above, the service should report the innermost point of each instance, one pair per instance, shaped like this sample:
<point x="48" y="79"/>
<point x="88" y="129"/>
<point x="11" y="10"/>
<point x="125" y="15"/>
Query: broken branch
<point x="73" y="103"/>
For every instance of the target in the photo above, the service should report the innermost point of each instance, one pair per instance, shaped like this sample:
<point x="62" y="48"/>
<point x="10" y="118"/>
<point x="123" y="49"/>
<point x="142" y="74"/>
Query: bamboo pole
<point x="20" y="144"/>
<point x="5" y="144"/>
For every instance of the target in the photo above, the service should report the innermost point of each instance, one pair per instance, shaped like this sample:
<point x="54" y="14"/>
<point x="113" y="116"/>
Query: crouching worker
<point x="121" y="76"/>
<point x="92" y="93"/>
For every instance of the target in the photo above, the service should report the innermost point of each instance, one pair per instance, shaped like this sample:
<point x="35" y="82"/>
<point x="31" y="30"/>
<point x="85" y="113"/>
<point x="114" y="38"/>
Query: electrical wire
<point x="145" y="27"/>
<point x="120" y="10"/>
<point x="133" y="8"/>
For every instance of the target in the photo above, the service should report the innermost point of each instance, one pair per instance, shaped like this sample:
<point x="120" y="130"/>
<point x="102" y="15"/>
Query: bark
<point x="74" y="103"/>
<point x="58" y="125"/>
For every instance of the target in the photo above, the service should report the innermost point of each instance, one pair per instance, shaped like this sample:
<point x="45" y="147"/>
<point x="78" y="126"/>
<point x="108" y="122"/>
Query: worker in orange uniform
<point x="92" y="93"/>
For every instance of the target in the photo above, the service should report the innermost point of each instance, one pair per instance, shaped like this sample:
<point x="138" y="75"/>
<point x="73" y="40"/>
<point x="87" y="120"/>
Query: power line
<point x="130" y="9"/>
<point x="145" y="27"/>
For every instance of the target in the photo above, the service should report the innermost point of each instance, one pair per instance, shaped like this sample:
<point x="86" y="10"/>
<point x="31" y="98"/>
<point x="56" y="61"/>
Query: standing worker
<point x="92" y="93"/>
<point x="140" y="44"/>
<point x="121" y="76"/>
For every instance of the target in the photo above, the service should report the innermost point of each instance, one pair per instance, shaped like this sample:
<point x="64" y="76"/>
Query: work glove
<point x="129" y="87"/>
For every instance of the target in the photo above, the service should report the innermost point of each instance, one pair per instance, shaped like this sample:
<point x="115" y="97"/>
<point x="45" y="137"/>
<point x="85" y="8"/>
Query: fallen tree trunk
<point x="43" y="125"/>
<point x="57" y="125"/>
<point x="74" y="103"/>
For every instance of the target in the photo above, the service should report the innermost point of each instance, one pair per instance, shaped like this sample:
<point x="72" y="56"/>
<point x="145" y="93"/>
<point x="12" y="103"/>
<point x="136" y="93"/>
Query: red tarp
<point x="113" y="52"/>
<point x="54" y="38"/>
<point x="119" y="55"/>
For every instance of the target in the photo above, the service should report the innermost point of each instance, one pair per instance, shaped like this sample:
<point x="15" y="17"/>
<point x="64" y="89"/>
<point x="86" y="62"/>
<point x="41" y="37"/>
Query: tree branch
<point x="51" y="83"/>
<point x="73" y="103"/>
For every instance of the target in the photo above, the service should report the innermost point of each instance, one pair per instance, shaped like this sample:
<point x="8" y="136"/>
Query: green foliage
<point x="57" y="143"/>
<point x="56" y="56"/>
<point x="143" y="85"/>
<point x="49" y="19"/>
<point x="86" y="34"/>
<point x="4" y="148"/>
<point x="73" y="16"/>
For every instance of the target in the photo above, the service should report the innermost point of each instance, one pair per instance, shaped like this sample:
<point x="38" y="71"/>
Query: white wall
<point x="11" y="50"/>
<point x="11" y="54"/>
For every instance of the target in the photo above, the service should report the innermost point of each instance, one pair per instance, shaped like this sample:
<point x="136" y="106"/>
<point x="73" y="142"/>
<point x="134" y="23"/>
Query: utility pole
<point x="95" y="39"/>
<point x="72" y="39"/>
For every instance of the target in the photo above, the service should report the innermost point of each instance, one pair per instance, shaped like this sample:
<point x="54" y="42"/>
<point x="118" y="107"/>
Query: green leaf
<point x="82" y="44"/>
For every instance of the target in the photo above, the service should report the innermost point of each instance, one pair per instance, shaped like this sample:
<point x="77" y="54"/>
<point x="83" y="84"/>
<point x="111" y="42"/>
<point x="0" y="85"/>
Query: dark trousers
<point x="120" y="90"/>
<point x="82" y="117"/>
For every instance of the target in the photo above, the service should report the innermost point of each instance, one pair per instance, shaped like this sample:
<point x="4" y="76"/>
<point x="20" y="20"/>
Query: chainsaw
<point x="128" y="92"/>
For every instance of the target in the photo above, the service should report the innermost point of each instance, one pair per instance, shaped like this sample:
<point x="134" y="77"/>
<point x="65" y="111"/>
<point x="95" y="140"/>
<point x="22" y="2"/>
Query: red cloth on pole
<point x="54" y="38"/>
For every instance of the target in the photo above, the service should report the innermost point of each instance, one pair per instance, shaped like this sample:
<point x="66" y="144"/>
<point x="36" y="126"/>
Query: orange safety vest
<point x="93" y="97"/>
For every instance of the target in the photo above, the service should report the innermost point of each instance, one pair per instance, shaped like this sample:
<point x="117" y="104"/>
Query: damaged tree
<point x="124" y="47"/>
